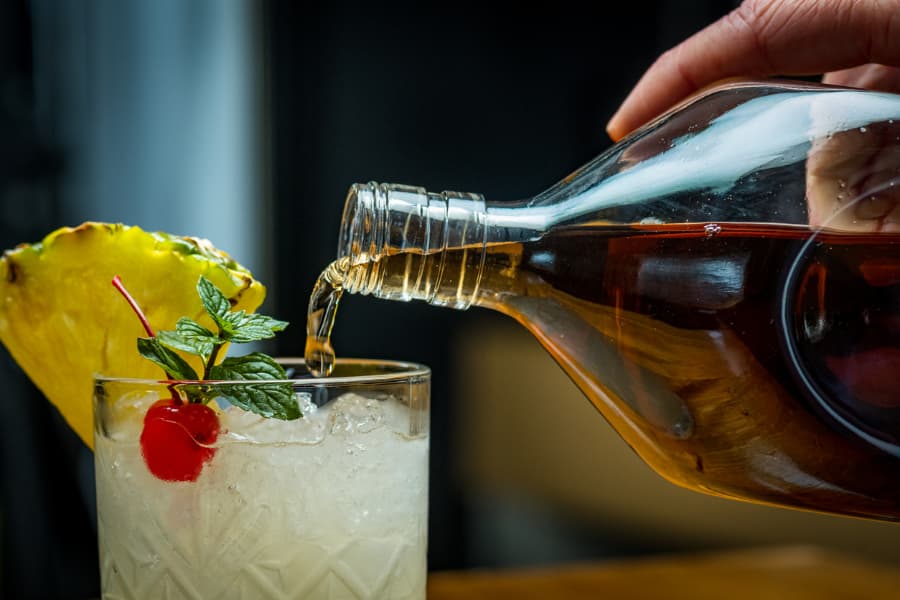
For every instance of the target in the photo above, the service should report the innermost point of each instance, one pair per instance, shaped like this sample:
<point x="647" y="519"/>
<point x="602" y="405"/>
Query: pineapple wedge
<point x="63" y="321"/>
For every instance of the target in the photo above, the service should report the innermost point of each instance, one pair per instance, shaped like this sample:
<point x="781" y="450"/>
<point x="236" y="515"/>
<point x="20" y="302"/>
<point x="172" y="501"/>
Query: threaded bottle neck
<point x="405" y="243"/>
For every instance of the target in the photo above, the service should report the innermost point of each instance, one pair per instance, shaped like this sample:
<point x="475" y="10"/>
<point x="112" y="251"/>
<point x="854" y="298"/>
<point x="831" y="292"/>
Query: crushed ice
<point x="245" y="426"/>
<point x="352" y="413"/>
<point x="348" y="415"/>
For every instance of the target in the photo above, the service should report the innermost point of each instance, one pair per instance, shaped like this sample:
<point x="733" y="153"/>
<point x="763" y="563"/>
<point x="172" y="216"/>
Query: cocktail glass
<point x="331" y="505"/>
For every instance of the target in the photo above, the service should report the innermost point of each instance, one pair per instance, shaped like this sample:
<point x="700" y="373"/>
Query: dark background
<point x="473" y="96"/>
<point x="485" y="97"/>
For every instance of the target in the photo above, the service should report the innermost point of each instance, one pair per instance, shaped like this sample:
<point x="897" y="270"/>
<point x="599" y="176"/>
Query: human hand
<point x="854" y="42"/>
<point x="853" y="180"/>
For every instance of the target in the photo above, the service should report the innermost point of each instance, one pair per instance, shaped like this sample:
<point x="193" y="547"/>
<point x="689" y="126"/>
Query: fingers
<point x="706" y="57"/>
<point x="763" y="38"/>
<point x="870" y="77"/>
<point x="853" y="180"/>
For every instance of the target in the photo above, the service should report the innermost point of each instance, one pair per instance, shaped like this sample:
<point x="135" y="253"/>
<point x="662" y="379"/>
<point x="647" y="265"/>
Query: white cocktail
<point x="332" y="505"/>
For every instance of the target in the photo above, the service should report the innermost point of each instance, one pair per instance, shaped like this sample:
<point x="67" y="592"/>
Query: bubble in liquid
<point x="712" y="229"/>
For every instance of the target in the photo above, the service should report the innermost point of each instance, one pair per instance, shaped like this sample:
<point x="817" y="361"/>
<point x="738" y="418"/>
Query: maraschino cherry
<point x="178" y="437"/>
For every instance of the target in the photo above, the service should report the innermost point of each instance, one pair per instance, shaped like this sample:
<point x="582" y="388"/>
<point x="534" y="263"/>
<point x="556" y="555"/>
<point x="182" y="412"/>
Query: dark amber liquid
<point x="751" y="361"/>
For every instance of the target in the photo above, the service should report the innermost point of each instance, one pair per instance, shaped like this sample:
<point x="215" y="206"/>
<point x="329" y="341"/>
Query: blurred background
<point x="245" y="122"/>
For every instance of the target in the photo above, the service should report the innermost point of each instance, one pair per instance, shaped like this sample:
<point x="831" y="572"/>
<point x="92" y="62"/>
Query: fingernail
<point x="613" y="128"/>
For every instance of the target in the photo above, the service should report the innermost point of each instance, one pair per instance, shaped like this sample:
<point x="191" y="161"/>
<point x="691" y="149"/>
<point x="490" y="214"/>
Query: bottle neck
<point x="405" y="243"/>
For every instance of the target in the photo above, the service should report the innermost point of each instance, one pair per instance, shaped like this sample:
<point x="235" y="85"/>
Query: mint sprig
<point x="191" y="337"/>
<point x="238" y="326"/>
<point x="174" y="366"/>
<point x="261" y="397"/>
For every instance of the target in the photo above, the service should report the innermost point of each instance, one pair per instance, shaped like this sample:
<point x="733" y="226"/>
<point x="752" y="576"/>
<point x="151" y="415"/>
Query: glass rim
<point x="405" y="370"/>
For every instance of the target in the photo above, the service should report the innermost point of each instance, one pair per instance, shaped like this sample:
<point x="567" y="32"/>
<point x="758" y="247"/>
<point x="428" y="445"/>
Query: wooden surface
<point x="794" y="573"/>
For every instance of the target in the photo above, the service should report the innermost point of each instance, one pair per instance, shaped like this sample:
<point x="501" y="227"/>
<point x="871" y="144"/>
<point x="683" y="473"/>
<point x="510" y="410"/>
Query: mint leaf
<point x="253" y="327"/>
<point x="239" y="326"/>
<point x="174" y="366"/>
<point x="254" y="366"/>
<point x="214" y="301"/>
<point x="190" y="336"/>
<point x="271" y="400"/>
<point x="266" y="399"/>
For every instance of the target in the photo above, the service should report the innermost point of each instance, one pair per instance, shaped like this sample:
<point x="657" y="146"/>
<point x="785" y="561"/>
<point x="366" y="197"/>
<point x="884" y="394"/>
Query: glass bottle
<point x="723" y="286"/>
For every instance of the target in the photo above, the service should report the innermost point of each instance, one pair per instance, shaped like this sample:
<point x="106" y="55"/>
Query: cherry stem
<point x="117" y="283"/>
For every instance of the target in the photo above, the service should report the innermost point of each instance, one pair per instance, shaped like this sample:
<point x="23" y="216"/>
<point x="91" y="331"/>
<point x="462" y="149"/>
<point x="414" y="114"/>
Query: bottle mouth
<point x="357" y="220"/>
<point x="394" y="240"/>
<point x="358" y="240"/>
